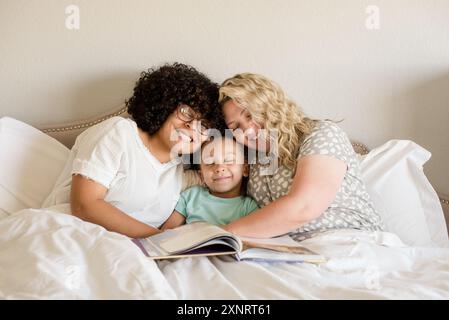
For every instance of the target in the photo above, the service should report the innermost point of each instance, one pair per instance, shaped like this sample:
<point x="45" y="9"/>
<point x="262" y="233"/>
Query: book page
<point x="264" y="255"/>
<point x="281" y="244"/>
<point x="189" y="236"/>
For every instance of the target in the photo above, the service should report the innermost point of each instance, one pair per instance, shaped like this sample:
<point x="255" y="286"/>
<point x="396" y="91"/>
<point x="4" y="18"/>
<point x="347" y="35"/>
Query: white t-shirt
<point x="112" y="154"/>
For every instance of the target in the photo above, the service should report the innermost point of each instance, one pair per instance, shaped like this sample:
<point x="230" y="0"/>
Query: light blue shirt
<point x="197" y="204"/>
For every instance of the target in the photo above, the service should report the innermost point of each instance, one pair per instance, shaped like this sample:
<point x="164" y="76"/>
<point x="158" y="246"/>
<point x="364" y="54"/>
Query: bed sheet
<point x="49" y="255"/>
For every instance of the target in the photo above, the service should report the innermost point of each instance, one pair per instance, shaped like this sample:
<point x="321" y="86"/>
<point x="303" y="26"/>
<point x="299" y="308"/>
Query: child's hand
<point x="226" y="227"/>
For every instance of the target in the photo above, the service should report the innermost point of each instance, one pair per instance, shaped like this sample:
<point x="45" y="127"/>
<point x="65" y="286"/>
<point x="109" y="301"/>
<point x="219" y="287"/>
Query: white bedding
<point x="44" y="254"/>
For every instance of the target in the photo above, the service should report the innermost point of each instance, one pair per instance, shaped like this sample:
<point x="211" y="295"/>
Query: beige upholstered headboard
<point x="67" y="133"/>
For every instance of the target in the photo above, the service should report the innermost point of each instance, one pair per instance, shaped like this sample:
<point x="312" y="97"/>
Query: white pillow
<point x="405" y="199"/>
<point x="30" y="163"/>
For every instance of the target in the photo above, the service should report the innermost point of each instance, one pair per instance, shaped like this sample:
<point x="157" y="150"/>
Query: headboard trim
<point x="85" y="124"/>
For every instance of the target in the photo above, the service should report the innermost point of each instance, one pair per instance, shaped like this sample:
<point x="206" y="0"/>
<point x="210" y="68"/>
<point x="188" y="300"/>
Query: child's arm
<point x="175" y="220"/>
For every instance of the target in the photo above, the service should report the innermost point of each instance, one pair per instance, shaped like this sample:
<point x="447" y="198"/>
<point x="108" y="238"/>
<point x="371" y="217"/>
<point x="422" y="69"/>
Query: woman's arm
<point x="175" y="220"/>
<point x="314" y="187"/>
<point x="87" y="202"/>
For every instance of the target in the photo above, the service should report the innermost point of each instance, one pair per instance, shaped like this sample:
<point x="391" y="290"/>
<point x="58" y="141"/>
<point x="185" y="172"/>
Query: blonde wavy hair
<point x="269" y="106"/>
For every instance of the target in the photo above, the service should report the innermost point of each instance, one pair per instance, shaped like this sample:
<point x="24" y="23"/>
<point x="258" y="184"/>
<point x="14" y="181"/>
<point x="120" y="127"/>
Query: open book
<point x="204" y="239"/>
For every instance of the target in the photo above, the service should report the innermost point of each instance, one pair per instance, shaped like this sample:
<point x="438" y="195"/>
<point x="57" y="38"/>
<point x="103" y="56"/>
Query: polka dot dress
<point x="352" y="207"/>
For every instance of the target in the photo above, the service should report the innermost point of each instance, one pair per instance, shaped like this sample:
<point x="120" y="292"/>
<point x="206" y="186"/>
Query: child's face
<point x="223" y="166"/>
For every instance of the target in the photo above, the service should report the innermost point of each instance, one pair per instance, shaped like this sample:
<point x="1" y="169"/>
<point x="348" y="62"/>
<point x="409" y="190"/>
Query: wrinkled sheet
<point x="49" y="255"/>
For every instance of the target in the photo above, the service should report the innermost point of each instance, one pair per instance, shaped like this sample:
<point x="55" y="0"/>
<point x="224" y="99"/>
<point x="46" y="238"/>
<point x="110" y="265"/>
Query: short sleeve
<point x="250" y="205"/>
<point x="329" y="139"/>
<point x="98" y="153"/>
<point x="181" y="206"/>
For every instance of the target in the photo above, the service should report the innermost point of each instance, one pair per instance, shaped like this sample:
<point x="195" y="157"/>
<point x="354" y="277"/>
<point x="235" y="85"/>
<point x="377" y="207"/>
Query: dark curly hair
<point x="159" y="91"/>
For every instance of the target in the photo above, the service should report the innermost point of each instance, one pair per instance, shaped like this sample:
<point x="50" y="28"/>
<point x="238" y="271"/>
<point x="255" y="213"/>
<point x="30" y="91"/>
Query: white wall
<point x="387" y="83"/>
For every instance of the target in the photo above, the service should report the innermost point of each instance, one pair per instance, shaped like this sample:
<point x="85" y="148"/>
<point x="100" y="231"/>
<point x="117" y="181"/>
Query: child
<point x="223" y="170"/>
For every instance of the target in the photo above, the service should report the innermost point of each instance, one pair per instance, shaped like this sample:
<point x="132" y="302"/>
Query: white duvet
<point x="48" y="255"/>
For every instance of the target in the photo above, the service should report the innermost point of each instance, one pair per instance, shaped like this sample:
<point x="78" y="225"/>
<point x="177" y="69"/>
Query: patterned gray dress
<point x="352" y="207"/>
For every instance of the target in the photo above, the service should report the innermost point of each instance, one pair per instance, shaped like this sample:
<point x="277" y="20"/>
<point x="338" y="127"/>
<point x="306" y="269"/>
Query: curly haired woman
<point x="317" y="185"/>
<point x="126" y="174"/>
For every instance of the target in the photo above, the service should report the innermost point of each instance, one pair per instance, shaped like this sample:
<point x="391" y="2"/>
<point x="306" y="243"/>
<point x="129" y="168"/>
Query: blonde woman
<point x="317" y="184"/>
